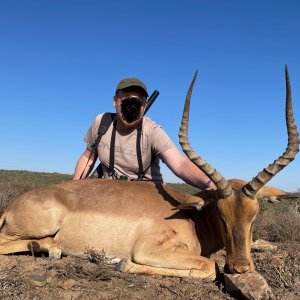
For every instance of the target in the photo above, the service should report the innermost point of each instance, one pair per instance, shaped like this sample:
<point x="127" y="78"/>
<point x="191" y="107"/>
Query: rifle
<point x="151" y="100"/>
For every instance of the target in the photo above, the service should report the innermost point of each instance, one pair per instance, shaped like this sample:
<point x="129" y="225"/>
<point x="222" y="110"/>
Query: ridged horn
<point x="252" y="187"/>
<point x="219" y="181"/>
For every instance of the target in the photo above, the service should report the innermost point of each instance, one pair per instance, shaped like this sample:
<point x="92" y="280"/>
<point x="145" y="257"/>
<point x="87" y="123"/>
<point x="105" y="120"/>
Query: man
<point x="124" y="163"/>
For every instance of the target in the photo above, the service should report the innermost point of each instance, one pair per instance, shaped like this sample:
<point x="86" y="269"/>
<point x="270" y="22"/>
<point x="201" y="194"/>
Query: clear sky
<point x="60" y="61"/>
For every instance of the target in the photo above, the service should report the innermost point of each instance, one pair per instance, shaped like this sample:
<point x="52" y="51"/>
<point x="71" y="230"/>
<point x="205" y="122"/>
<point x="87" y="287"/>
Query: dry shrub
<point x="98" y="258"/>
<point x="278" y="224"/>
<point x="284" y="228"/>
<point x="281" y="269"/>
<point x="95" y="267"/>
<point x="36" y="178"/>
<point x="77" y="269"/>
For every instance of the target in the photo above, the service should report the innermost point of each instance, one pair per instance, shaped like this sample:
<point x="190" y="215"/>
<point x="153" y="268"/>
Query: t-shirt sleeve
<point x="92" y="133"/>
<point x="160" y="141"/>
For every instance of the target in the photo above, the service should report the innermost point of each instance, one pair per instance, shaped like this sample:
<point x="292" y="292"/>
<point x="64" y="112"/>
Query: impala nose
<point x="235" y="268"/>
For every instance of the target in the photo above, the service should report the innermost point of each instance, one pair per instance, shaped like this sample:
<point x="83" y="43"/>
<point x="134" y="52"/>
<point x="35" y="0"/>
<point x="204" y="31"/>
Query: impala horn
<point x="222" y="185"/>
<point x="252" y="187"/>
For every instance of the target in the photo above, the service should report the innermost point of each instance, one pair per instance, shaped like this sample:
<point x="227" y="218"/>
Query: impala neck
<point x="208" y="230"/>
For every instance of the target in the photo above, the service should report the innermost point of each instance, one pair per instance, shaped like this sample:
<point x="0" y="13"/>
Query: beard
<point x="131" y="109"/>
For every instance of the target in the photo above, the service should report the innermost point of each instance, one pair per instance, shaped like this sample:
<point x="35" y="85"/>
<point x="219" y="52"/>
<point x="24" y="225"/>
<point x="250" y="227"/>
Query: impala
<point x="147" y="225"/>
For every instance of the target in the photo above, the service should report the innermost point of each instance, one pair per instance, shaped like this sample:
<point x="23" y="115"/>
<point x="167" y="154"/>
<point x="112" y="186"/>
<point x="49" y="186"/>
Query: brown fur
<point x="134" y="221"/>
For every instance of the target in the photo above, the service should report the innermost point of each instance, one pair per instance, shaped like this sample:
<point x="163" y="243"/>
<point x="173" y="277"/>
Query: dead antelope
<point x="136" y="221"/>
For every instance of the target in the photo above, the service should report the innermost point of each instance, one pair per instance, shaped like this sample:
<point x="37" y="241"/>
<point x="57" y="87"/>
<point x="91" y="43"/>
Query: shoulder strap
<point x="138" y="151"/>
<point x="106" y="121"/>
<point x="112" y="151"/>
<point x="142" y="171"/>
<point x="141" y="175"/>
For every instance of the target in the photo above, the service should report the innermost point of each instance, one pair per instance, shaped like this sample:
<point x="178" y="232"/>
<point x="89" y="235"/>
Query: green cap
<point x="128" y="82"/>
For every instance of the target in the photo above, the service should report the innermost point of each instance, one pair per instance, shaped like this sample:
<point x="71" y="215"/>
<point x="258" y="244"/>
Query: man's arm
<point x="85" y="163"/>
<point x="182" y="167"/>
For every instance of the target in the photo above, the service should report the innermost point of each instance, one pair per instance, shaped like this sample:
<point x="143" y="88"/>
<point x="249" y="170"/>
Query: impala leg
<point x="128" y="266"/>
<point x="173" y="260"/>
<point x="12" y="244"/>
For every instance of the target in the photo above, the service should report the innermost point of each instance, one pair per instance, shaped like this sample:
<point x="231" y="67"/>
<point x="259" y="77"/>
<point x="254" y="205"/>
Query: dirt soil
<point x="30" y="277"/>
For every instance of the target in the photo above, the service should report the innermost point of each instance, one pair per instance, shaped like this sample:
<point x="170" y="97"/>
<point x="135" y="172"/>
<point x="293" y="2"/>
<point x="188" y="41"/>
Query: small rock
<point x="68" y="284"/>
<point x="52" y="278"/>
<point x="249" y="286"/>
<point x="50" y="275"/>
<point x="262" y="245"/>
<point x="37" y="280"/>
<point x="279" y="260"/>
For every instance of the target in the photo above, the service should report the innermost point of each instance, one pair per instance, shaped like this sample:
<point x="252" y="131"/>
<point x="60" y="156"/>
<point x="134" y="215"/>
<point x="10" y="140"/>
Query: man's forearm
<point x="84" y="165"/>
<point x="182" y="167"/>
<point x="192" y="175"/>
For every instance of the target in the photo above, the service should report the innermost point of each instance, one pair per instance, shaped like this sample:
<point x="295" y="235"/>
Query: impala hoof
<point x="121" y="265"/>
<point x="55" y="253"/>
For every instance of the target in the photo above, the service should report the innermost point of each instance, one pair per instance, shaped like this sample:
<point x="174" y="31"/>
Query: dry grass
<point x="281" y="269"/>
<point x="277" y="222"/>
<point x="32" y="178"/>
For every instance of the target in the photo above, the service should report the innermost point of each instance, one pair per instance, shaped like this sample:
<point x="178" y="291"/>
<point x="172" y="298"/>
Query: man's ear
<point x="114" y="101"/>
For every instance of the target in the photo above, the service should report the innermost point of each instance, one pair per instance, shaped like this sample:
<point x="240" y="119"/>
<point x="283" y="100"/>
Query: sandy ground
<point x="28" y="277"/>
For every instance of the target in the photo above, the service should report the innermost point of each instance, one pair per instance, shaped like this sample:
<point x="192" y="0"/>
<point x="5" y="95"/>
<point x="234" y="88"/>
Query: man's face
<point x="130" y="105"/>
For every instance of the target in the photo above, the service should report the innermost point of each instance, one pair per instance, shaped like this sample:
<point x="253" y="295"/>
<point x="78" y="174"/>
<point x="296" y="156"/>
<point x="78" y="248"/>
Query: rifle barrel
<point x="151" y="100"/>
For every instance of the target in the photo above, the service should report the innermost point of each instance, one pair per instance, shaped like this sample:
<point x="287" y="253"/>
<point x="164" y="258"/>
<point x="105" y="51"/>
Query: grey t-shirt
<point x="154" y="141"/>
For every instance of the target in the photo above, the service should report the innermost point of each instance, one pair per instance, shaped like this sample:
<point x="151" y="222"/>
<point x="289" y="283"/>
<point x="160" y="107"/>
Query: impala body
<point x="151" y="227"/>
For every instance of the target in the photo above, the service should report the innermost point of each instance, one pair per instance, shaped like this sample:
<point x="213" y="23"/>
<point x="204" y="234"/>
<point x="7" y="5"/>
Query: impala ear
<point x="197" y="206"/>
<point x="193" y="202"/>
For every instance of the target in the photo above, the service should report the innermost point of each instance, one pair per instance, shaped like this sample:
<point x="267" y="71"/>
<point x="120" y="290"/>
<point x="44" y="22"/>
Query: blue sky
<point x="61" y="60"/>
